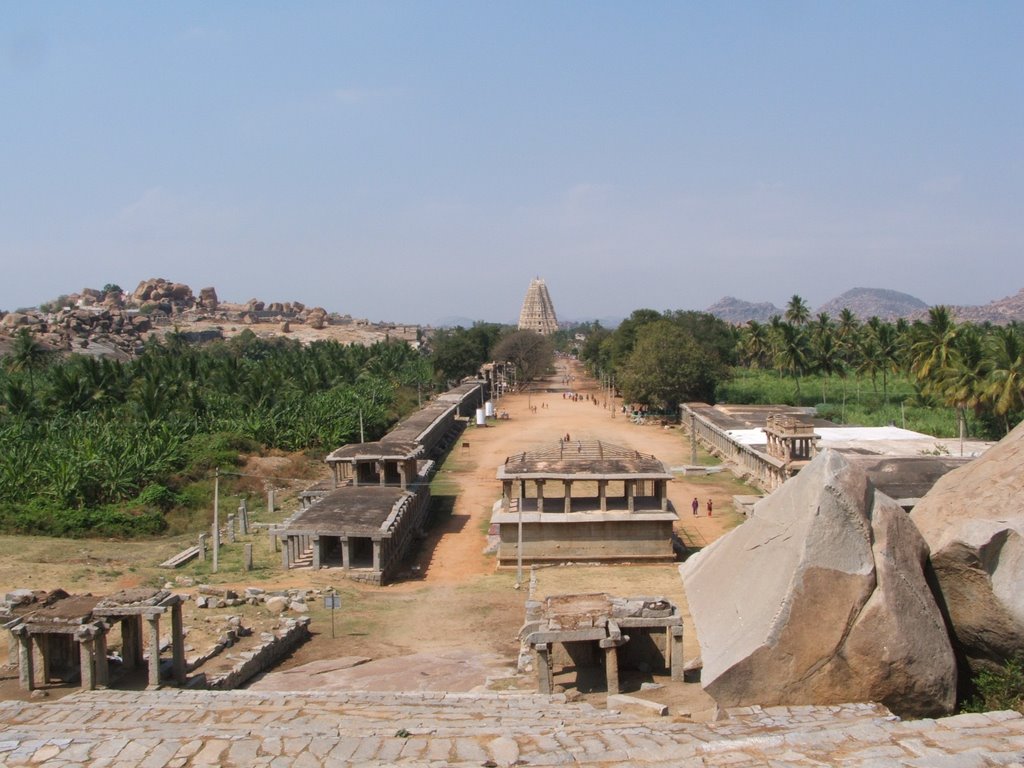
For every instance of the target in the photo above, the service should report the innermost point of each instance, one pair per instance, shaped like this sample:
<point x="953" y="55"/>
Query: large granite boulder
<point x="973" y="521"/>
<point x="821" y="598"/>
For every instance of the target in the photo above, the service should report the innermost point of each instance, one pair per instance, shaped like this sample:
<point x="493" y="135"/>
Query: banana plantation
<point x="97" y="446"/>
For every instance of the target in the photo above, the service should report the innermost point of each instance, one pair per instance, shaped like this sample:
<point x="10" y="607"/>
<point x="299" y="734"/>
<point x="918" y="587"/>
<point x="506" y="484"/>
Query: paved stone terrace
<point x="240" y="728"/>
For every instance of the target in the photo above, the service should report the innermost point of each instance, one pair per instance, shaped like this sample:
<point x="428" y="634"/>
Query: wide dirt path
<point x="454" y="551"/>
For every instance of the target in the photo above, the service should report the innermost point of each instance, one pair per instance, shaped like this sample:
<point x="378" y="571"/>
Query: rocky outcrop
<point x="159" y="291"/>
<point x="821" y="598"/>
<point x="738" y="312"/>
<point x="208" y="299"/>
<point x="875" y="302"/>
<point x="973" y="521"/>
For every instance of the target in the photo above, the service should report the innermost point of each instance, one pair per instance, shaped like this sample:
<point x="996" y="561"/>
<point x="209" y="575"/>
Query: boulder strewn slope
<point x="821" y="598"/>
<point x="973" y="521"/>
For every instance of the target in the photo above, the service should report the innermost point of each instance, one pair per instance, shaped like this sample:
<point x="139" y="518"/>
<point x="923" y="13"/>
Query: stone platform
<point x="181" y="729"/>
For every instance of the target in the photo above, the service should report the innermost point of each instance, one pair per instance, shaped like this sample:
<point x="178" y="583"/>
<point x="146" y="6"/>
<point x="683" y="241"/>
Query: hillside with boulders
<point x="738" y="312"/>
<point x="875" y="302"/>
<point x="883" y="303"/>
<point x="110" y="322"/>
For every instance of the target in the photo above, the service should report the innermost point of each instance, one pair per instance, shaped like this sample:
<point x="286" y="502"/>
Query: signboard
<point x="332" y="601"/>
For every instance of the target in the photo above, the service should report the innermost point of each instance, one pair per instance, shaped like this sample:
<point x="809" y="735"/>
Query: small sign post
<point x="332" y="601"/>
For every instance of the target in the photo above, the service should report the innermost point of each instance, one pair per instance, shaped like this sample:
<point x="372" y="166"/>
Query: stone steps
<point x="190" y="728"/>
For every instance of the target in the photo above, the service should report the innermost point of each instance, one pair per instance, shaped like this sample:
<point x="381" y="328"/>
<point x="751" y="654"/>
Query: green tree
<point x="531" y="353"/>
<point x="667" y="366"/>
<point x="797" y="311"/>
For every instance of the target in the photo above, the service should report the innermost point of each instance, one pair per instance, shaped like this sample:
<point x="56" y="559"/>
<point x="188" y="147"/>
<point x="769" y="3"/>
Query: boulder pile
<point x="973" y="521"/>
<point x="821" y="598"/>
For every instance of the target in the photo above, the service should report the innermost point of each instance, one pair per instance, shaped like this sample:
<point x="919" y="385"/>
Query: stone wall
<point x="264" y="657"/>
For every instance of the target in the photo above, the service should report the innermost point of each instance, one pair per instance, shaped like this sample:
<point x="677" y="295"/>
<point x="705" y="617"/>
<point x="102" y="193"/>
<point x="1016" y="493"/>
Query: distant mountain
<point x="737" y="311"/>
<point x="875" y="302"/>
<point x="999" y="312"/>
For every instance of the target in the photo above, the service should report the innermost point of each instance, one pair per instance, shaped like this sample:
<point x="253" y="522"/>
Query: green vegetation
<point x="662" y="359"/>
<point x="998" y="690"/>
<point x="933" y="375"/>
<point x="100" y="447"/>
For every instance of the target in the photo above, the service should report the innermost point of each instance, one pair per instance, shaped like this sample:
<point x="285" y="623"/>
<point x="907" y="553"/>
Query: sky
<point x="419" y="161"/>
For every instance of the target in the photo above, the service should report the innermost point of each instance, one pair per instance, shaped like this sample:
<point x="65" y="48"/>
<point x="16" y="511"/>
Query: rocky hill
<point x="115" y="323"/>
<point x="737" y="311"/>
<point x="875" y="302"/>
<point x="1000" y="312"/>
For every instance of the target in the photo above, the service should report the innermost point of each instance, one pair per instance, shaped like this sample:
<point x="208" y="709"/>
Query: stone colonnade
<point x="766" y="471"/>
<point x="34" y="646"/>
<point x="630" y="488"/>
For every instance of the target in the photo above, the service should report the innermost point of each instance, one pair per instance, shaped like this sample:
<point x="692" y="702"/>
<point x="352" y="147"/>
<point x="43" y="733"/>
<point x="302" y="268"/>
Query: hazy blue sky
<point x="414" y="161"/>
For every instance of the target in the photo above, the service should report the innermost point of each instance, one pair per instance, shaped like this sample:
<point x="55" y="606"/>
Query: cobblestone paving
<point x="179" y="729"/>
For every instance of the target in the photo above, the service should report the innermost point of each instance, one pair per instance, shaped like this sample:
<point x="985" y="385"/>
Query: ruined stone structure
<point x="367" y="517"/>
<point x="66" y="636"/>
<point x="538" y="313"/>
<point x="630" y="631"/>
<point x="612" y="506"/>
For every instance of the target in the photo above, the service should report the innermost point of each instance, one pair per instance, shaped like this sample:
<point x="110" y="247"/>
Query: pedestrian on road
<point x="709" y="507"/>
<point x="695" y="505"/>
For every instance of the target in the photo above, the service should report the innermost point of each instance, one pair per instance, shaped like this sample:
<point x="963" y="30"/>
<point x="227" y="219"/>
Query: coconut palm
<point x="797" y="311"/>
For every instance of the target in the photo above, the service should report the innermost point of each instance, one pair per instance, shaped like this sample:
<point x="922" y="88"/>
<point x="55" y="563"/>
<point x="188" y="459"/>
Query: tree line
<point x="660" y="359"/>
<point x="102" y="446"/>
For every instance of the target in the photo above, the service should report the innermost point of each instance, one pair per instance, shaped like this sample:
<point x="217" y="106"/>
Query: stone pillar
<point x="545" y="683"/>
<point x="629" y="494"/>
<point x="693" y="438"/>
<point x="41" y="651"/>
<point x="26" y="671"/>
<point x="12" y="649"/>
<point x="131" y="642"/>
<point x="676" y="663"/>
<point x="231" y="528"/>
<point x="85" y="656"/>
<point x="247" y="558"/>
<point x="506" y="495"/>
<point x="99" y="650"/>
<point x="540" y="495"/>
<point x="178" y="643"/>
<point x="243" y="518"/>
<point x="202" y="546"/>
<point x="602" y="494"/>
<point x="663" y="494"/>
<point x="522" y="493"/>
<point x="316" y="553"/>
<point x="285" y="547"/>
<point x="270" y="500"/>
<point x="568" y="495"/>
<point x="611" y="667"/>
<point x="154" y="651"/>
<point x="346" y="554"/>
<point x="376" y="554"/>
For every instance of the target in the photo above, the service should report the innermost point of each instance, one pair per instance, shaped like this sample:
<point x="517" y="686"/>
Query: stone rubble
<point x="179" y="728"/>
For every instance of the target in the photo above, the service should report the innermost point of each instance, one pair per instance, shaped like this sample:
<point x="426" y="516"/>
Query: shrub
<point x="1000" y="689"/>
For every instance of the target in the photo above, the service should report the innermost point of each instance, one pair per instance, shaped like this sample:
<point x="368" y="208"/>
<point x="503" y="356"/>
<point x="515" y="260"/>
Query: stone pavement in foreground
<point x="169" y="728"/>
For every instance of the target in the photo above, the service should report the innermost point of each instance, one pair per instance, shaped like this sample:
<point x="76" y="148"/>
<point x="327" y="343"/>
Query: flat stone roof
<point x="583" y="460"/>
<point x="362" y="510"/>
<point x="382" y="450"/>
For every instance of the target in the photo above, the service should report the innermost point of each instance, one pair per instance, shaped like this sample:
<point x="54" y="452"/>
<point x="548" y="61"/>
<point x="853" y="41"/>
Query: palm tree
<point x="1004" y="388"/>
<point x="27" y="355"/>
<point x="797" y="311"/>
<point x="793" y="352"/>
<point x="933" y="343"/>
<point x="756" y="344"/>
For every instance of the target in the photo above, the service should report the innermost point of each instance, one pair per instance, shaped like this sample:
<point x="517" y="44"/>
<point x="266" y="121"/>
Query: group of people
<point x="696" y="506"/>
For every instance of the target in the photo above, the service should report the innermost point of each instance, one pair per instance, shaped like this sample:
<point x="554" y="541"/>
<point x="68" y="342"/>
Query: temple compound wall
<point x="583" y="500"/>
<point x="369" y="515"/>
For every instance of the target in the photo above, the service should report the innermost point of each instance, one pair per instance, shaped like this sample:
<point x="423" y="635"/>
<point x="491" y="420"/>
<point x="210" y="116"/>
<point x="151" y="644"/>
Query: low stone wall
<point x="264" y="657"/>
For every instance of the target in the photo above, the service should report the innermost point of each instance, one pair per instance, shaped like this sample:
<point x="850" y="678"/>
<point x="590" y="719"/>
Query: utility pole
<point x="216" y="518"/>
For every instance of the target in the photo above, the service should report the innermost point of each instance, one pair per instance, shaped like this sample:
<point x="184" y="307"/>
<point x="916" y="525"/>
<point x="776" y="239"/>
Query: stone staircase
<point x="180" y="728"/>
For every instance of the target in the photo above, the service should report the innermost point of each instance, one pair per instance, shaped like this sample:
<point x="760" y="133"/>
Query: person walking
<point x="709" y="507"/>
<point x="695" y="505"/>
